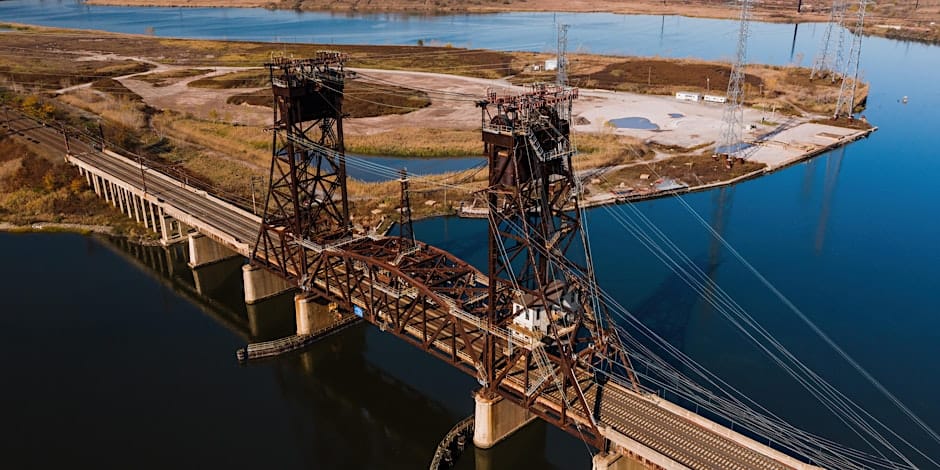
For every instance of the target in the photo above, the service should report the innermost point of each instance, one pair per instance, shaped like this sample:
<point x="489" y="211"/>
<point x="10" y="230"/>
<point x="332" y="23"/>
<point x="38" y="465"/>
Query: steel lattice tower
<point x="562" y="74"/>
<point x="828" y="61"/>
<point x="845" y="106"/>
<point x="306" y="200"/>
<point x="732" y="129"/>
<point x="534" y="220"/>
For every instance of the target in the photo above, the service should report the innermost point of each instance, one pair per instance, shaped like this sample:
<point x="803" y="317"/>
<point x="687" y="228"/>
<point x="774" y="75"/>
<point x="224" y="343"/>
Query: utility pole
<point x="101" y="135"/>
<point x="562" y="71"/>
<point x="405" y="228"/>
<point x="65" y="134"/>
<point x="251" y="183"/>
<point x="143" y="179"/>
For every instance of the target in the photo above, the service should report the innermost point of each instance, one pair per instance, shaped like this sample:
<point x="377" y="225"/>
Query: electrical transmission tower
<point x="732" y="128"/>
<point x="562" y="73"/>
<point x="829" y="61"/>
<point x="846" y="103"/>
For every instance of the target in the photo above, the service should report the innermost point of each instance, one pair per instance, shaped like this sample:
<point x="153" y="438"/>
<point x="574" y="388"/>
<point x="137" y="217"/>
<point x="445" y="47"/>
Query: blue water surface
<point x="850" y="237"/>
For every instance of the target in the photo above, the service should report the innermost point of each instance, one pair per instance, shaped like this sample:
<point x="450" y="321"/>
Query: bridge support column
<point x="261" y="284"/>
<point x="204" y="250"/>
<point x="153" y="219"/>
<point x="614" y="461"/>
<point x="171" y="230"/>
<point x="135" y="208"/>
<point x="496" y="419"/>
<point x="311" y="313"/>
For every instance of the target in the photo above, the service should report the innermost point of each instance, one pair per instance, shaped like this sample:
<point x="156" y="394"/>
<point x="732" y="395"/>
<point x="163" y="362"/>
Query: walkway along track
<point x="411" y="297"/>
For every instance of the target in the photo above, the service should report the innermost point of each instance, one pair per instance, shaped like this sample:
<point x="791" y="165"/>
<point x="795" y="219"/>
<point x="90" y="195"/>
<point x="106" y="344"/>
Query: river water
<point x="114" y="361"/>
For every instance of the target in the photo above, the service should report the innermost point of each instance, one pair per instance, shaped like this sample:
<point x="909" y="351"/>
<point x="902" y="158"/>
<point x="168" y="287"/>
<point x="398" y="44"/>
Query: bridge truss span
<point x="531" y="329"/>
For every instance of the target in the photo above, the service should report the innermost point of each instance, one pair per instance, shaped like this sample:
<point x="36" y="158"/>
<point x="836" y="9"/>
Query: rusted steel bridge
<point x="529" y="329"/>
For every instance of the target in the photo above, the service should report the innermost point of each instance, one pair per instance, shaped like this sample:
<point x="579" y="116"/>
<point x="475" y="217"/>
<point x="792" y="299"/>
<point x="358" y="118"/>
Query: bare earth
<point x="679" y="123"/>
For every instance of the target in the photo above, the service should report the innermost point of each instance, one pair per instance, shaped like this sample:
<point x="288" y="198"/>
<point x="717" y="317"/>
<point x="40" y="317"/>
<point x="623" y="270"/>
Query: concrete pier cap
<point x="496" y="419"/>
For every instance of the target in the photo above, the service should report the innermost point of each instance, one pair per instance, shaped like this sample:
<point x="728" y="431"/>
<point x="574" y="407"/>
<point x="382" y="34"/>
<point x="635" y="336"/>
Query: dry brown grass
<point x="417" y="142"/>
<point x="34" y="189"/>
<point x="361" y="100"/>
<point x="161" y="79"/>
<point x="694" y="170"/>
<point x="608" y="149"/>
<point x="49" y="69"/>
<point x="123" y="110"/>
<point x="247" y="144"/>
<point x="259" y="78"/>
<point x="373" y="202"/>
<point x="787" y="89"/>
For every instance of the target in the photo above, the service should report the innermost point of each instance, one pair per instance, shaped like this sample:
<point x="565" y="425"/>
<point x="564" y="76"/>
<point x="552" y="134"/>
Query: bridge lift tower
<point x="534" y="221"/>
<point x="306" y="199"/>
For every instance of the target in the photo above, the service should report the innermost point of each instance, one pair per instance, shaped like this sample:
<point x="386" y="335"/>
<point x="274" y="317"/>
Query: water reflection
<point x="345" y="400"/>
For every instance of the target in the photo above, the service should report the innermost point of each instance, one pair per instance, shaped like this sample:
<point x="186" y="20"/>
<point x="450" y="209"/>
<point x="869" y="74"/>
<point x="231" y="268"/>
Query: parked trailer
<point x="714" y="99"/>
<point x="686" y="96"/>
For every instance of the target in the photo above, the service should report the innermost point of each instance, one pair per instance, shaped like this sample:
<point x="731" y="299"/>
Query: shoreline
<point x="900" y="28"/>
<point x="54" y="227"/>
<point x="612" y="199"/>
<point x="89" y="230"/>
<point x="79" y="229"/>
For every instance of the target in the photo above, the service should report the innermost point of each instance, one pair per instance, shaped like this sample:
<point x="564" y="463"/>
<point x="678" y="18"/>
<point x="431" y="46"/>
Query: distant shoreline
<point x="920" y="27"/>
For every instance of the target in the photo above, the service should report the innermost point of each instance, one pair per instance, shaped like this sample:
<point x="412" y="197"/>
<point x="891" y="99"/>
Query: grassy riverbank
<point x="38" y="193"/>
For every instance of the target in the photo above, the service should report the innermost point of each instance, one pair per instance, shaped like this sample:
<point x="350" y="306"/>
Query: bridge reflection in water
<point x="347" y="407"/>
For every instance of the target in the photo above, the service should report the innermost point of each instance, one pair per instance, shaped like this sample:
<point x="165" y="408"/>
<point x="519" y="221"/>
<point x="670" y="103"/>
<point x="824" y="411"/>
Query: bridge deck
<point x="691" y="442"/>
<point x="230" y="225"/>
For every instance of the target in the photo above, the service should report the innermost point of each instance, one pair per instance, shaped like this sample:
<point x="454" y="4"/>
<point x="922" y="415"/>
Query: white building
<point x="531" y="313"/>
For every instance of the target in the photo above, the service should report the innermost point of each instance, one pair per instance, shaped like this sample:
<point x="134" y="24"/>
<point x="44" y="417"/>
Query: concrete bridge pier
<point x="204" y="250"/>
<point x="617" y="461"/>
<point x="496" y="419"/>
<point x="312" y="313"/>
<point x="261" y="284"/>
<point x="172" y="230"/>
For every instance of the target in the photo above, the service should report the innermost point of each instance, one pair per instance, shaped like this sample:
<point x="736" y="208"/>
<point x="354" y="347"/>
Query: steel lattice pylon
<point x="829" y="62"/>
<point x="306" y="198"/>
<point x="845" y="105"/>
<point x="731" y="139"/>
<point x="562" y="75"/>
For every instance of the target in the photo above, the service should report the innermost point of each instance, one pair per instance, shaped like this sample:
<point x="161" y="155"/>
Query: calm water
<point x="116" y="352"/>
<point x="633" y="123"/>
<point x="590" y="32"/>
